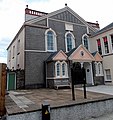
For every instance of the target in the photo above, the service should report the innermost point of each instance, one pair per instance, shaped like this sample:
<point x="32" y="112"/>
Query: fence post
<point x="2" y="88"/>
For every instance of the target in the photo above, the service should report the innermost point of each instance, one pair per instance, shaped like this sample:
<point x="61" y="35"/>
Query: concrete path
<point x="105" y="89"/>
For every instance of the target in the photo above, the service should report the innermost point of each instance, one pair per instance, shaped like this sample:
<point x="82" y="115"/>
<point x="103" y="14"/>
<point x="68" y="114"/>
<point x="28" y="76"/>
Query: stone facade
<point x="35" y="54"/>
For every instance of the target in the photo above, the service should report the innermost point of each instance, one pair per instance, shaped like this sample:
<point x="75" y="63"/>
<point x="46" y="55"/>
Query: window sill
<point x="51" y="50"/>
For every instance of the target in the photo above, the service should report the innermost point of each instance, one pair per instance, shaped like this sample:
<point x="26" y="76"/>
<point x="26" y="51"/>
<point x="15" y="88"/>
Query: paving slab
<point x="30" y="100"/>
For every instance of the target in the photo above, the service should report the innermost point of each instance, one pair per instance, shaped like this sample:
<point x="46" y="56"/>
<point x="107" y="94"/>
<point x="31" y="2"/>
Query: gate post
<point x="2" y="88"/>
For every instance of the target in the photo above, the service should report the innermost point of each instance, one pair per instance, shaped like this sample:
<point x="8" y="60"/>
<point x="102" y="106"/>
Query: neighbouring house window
<point x="108" y="74"/>
<point x="13" y="51"/>
<point x="50" y="38"/>
<point x="98" y="69"/>
<point x="106" y="45"/>
<point x="69" y="40"/>
<point x="61" y="69"/>
<point x="99" y="46"/>
<point x="18" y="47"/>
<point x="85" y="41"/>
<point x="112" y="41"/>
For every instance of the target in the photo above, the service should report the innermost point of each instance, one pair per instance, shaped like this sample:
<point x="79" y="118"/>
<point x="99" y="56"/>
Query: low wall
<point x="73" y="111"/>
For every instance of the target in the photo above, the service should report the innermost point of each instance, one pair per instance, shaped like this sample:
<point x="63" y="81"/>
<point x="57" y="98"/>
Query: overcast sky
<point x="12" y="15"/>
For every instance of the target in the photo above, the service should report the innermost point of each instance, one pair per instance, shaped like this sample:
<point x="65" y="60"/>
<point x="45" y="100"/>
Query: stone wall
<point x="78" y="111"/>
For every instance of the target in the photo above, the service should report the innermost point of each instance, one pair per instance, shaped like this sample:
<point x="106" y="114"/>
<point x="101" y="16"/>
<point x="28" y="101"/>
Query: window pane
<point x="69" y="42"/>
<point x="112" y="41"/>
<point x="85" y="42"/>
<point x="99" y="46"/>
<point x="106" y="45"/>
<point x="58" y="69"/>
<point x="99" y="69"/>
<point x="63" y="69"/>
<point x="50" y="40"/>
<point x="108" y="74"/>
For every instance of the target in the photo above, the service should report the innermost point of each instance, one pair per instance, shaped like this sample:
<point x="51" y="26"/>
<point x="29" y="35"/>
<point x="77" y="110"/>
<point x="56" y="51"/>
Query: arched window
<point x="98" y="69"/>
<point x="69" y="40"/>
<point x="50" y="40"/>
<point x="85" y="41"/>
<point x="58" y="69"/>
<point x="61" y="69"/>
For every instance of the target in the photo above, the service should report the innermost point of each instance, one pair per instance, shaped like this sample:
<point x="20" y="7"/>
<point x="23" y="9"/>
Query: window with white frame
<point x="69" y="41"/>
<point x="112" y="41"/>
<point x="99" y="46"/>
<point x="98" y="69"/>
<point x="50" y="40"/>
<point x="85" y="41"/>
<point x="108" y="74"/>
<point x="106" y="45"/>
<point x="61" y="69"/>
<point x="58" y="67"/>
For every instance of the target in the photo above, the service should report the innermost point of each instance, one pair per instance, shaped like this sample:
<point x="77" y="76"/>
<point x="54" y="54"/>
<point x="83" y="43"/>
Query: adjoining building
<point x="46" y="46"/>
<point x="102" y="41"/>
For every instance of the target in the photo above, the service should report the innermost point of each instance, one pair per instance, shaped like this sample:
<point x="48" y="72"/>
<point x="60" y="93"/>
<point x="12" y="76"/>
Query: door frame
<point x="89" y="66"/>
<point x="8" y="80"/>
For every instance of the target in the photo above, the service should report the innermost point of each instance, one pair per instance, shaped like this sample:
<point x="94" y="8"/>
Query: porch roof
<point x="59" y="55"/>
<point x="97" y="56"/>
<point x="81" y="54"/>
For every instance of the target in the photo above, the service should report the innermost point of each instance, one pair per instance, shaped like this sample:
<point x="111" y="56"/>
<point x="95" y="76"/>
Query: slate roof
<point x="50" y="58"/>
<point x="69" y="53"/>
<point x="94" y="53"/>
<point x="108" y="27"/>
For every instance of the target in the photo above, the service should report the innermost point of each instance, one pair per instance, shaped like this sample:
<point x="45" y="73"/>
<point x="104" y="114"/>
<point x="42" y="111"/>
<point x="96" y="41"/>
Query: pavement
<point x="20" y="101"/>
<point x="104" y="89"/>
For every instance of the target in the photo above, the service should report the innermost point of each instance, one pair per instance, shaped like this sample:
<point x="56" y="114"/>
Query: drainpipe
<point x="45" y="73"/>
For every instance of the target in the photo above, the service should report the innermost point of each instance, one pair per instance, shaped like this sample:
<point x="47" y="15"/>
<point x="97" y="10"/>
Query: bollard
<point x="45" y="111"/>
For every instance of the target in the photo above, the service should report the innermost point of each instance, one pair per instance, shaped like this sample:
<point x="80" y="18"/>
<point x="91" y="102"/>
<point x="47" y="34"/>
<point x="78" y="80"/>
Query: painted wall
<point x="108" y="64"/>
<point x="18" y="58"/>
<point x="107" y="59"/>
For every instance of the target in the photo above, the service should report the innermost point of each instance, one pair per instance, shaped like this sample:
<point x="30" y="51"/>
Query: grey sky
<point x="12" y="15"/>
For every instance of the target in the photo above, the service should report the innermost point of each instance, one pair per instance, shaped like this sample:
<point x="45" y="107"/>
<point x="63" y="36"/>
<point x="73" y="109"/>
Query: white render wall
<point x="107" y="59"/>
<point x="108" y="64"/>
<point x="18" y="59"/>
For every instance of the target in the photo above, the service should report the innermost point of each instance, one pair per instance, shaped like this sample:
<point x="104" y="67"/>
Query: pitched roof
<point x="50" y="58"/>
<point x="108" y="27"/>
<point x="59" y="11"/>
<point x="70" y="52"/>
<point x="59" y="55"/>
<point x="94" y="53"/>
<point x="97" y="56"/>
